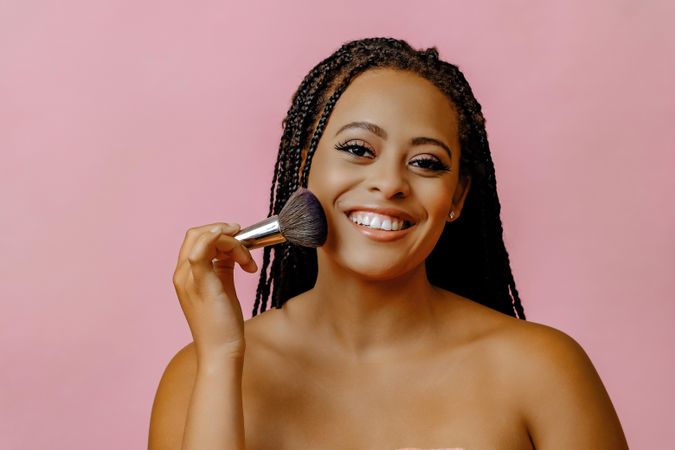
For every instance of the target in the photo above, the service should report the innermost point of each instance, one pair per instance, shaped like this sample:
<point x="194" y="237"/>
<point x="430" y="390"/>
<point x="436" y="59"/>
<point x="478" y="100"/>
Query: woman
<point x="405" y="329"/>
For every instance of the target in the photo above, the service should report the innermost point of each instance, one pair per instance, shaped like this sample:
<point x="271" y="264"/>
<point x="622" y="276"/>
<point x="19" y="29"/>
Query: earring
<point x="452" y="214"/>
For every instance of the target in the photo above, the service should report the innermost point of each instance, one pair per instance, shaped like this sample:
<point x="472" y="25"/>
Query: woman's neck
<point x="366" y="319"/>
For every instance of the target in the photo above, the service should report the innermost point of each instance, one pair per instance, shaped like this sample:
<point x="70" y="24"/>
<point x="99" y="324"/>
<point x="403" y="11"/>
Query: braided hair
<point x="469" y="258"/>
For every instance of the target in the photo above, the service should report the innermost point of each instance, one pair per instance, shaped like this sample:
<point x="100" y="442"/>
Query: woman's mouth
<point x="379" y="221"/>
<point x="379" y="227"/>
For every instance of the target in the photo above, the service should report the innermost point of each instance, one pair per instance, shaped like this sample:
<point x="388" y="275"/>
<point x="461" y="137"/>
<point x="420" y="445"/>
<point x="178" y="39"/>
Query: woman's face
<point x="400" y="172"/>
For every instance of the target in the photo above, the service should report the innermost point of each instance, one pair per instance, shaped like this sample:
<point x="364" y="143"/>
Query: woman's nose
<point x="389" y="179"/>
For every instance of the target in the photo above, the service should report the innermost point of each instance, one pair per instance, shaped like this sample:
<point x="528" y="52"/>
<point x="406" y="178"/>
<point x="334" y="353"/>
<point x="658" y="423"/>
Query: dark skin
<point x="389" y="360"/>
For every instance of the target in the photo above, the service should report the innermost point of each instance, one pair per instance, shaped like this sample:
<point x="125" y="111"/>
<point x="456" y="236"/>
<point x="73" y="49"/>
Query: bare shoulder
<point x="273" y="331"/>
<point x="560" y="395"/>
<point x="541" y="354"/>
<point x="265" y="328"/>
<point x="537" y="346"/>
<point x="172" y="399"/>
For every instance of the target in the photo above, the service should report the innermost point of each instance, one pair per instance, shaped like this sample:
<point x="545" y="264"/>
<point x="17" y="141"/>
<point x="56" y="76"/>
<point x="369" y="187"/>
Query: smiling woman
<point x="405" y="328"/>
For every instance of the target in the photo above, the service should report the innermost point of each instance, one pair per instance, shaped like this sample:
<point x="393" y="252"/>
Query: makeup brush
<point x="301" y="221"/>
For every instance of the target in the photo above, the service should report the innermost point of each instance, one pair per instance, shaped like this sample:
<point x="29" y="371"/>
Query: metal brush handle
<point x="266" y="232"/>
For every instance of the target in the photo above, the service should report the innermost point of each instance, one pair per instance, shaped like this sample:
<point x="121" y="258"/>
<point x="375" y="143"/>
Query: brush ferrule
<point x="261" y="234"/>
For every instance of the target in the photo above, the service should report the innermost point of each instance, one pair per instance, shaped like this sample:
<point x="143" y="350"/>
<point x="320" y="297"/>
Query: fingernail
<point x="216" y="229"/>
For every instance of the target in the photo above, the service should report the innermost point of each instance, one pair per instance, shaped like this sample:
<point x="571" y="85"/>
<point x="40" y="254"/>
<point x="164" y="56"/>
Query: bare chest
<point x="297" y="405"/>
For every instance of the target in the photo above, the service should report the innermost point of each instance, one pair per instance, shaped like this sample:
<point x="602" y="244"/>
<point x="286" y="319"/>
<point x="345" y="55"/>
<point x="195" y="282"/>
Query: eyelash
<point x="435" y="165"/>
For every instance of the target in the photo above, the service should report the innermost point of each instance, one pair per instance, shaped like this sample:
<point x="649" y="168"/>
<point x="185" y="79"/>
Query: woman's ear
<point x="458" y="199"/>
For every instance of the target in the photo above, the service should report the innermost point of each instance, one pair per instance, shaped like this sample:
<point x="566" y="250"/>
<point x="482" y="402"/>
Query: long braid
<point x="497" y="279"/>
<point x="265" y="280"/>
<point x="481" y="271"/>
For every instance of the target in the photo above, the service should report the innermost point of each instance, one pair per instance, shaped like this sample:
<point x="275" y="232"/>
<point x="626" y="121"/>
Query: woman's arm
<point x="198" y="404"/>
<point x="565" y="404"/>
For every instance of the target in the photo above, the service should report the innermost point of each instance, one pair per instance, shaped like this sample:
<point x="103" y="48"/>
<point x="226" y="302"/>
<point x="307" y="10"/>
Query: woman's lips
<point x="380" y="235"/>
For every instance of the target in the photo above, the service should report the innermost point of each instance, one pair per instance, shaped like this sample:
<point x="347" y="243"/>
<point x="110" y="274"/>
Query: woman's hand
<point x="204" y="282"/>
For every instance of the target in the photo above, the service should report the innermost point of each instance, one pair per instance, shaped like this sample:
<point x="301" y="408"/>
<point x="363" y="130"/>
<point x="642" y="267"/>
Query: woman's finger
<point x="228" y="246"/>
<point x="204" y="250"/>
<point x="194" y="233"/>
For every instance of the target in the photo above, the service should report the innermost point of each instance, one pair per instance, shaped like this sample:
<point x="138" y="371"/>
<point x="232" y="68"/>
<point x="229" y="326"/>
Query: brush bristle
<point x="302" y="220"/>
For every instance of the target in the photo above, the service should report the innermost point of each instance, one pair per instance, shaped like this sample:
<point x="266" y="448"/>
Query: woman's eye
<point x="353" y="149"/>
<point x="431" y="164"/>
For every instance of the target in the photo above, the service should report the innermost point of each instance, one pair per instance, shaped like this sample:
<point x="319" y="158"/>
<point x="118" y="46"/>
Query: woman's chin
<point x="374" y="271"/>
<point x="371" y="264"/>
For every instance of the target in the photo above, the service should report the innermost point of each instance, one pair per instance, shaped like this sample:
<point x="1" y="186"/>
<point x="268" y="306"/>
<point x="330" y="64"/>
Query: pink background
<point x="123" y="123"/>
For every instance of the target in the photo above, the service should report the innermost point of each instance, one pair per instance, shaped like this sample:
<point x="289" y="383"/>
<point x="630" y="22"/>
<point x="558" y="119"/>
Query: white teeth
<point x="377" y="221"/>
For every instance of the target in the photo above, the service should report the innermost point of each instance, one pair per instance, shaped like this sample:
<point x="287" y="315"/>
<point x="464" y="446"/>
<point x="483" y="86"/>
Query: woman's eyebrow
<point x="366" y="126"/>
<point x="378" y="131"/>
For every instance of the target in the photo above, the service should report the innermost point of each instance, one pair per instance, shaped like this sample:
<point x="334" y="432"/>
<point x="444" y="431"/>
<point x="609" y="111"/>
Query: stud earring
<point x="452" y="214"/>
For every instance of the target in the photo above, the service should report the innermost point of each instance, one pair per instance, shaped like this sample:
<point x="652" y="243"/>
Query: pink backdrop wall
<point x="123" y="123"/>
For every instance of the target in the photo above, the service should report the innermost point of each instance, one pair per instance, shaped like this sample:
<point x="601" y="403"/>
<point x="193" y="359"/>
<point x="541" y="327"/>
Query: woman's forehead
<point x="395" y="99"/>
